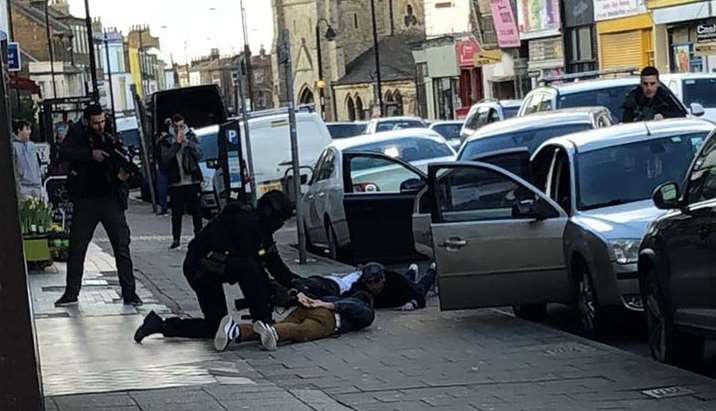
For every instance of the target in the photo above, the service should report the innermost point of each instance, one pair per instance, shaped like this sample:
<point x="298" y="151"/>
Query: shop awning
<point x="23" y="83"/>
<point x="684" y="12"/>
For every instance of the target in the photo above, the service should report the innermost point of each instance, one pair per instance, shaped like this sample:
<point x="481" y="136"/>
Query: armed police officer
<point x="237" y="246"/>
<point x="97" y="186"/>
<point x="649" y="101"/>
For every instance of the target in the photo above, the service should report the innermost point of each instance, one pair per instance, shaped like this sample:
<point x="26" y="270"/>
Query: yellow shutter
<point x="623" y="49"/>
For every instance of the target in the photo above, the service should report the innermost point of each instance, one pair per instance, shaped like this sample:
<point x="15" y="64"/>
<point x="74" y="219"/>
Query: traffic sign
<point x="13" y="57"/>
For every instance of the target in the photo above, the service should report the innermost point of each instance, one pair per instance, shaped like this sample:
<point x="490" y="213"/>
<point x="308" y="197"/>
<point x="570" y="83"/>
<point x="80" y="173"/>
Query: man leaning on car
<point x="649" y="101"/>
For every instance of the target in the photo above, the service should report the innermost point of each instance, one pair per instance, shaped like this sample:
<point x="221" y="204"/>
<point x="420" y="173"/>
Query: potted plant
<point x="36" y="221"/>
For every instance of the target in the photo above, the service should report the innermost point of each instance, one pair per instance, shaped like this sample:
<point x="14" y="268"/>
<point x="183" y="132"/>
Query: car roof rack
<point x="589" y="75"/>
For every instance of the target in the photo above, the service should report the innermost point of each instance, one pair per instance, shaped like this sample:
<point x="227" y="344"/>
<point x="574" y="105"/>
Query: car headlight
<point x="625" y="250"/>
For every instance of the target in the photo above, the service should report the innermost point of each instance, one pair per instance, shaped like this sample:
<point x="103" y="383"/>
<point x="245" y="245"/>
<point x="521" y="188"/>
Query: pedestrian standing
<point x="181" y="152"/>
<point x="97" y="186"/>
<point x="27" y="163"/>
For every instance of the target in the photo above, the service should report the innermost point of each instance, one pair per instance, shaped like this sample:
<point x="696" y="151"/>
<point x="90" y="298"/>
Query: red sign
<point x="465" y="49"/>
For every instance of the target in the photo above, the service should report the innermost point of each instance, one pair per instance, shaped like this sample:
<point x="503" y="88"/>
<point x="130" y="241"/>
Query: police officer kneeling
<point x="237" y="246"/>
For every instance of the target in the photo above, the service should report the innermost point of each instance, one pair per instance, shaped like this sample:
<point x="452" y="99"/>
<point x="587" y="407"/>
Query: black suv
<point x="677" y="263"/>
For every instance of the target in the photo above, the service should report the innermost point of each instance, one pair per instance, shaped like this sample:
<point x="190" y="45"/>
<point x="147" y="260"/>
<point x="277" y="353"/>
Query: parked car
<point x="609" y="93"/>
<point x="207" y="137"/>
<point x="271" y="148"/>
<point x="533" y="130"/>
<point x="566" y="229"/>
<point x="377" y="125"/>
<point x="347" y="129"/>
<point x="487" y="112"/>
<point x="677" y="262"/>
<point x="450" y="130"/>
<point x="360" y="197"/>
<point x="690" y="88"/>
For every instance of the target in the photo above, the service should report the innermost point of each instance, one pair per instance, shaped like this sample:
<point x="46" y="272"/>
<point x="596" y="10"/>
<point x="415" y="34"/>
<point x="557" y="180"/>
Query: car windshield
<point x="510" y="112"/>
<point x="630" y="172"/>
<point x="209" y="146"/>
<point x="531" y="139"/>
<point x="345" y="130"/>
<point x="408" y="149"/>
<point x="388" y="125"/>
<point x="448" y="130"/>
<point x="611" y="98"/>
<point x="702" y="91"/>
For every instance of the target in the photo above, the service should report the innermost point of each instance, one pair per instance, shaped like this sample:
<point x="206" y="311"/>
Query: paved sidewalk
<point x="427" y="359"/>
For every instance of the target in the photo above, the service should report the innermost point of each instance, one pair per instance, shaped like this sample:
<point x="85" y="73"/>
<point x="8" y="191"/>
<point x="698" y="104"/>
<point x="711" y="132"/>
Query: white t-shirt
<point x="345" y="282"/>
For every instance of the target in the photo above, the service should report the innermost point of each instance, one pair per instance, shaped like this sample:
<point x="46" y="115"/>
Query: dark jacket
<point x="398" y="290"/>
<point x="88" y="178"/>
<point x="190" y="164"/>
<point x="354" y="313"/>
<point x="237" y="233"/>
<point x="638" y="107"/>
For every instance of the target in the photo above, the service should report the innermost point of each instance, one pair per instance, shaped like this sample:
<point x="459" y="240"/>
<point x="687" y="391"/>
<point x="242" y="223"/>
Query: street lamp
<point x="51" y="49"/>
<point x="109" y="80"/>
<point x="93" y="61"/>
<point x="330" y="36"/>
<point x="379" y="86"/>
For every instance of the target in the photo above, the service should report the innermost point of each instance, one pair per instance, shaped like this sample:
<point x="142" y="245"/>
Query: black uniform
<point x="237" y="246"/>
<point x="638" y="107"/>
<point x="98" y="196"/>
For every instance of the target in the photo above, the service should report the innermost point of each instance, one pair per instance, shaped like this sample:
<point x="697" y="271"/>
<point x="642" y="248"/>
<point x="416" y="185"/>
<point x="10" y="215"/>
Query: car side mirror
<point x="412" y="185"/>
<point x="666" y="196"/>
<point x="697" y="110"/>
<point x="212" y="164"/>
<point x="530" y="208"/>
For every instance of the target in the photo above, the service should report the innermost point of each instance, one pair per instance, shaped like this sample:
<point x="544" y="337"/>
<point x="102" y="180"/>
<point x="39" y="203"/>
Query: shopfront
<point x="580" y="43"/>
<point x="690" y="40"/>
<point x="470" y="82"/>
<point x="437" y="67"/>
<point x="624" y="31"/>
<point x="539" y="24"/>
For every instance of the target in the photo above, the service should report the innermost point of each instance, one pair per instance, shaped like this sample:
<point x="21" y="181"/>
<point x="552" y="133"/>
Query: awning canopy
<point x="23" y="83"/>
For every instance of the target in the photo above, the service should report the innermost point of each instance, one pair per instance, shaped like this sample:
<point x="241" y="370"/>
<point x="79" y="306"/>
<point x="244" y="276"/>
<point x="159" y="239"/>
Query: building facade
<point x="352" y="22"/>
<point x="111" y="61"/>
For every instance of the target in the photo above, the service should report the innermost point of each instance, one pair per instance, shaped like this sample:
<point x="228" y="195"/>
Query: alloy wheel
<point x="656" y="324"/>
<point x="586" y="303"/>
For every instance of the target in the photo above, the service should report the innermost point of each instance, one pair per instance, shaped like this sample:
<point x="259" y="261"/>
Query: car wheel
<point x="309" y="244"/>
<point x="531" y="312"/>
<point x="333" y="249"/>
<point x="590" y="315"/>
<point x="666" y="344"/>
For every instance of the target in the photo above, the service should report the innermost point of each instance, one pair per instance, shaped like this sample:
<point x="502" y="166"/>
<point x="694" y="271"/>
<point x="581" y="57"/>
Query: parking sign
<point x="13" y="57"/>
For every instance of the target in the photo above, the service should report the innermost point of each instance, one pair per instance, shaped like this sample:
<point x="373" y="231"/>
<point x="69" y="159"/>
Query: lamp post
<point x="330" y="36"/>
<point x="50" y="49"/>
<point x="379" y="86"/>
<point x="109" y="79"/>
<point x="92" y="58"/>
<point x="247" y="58"/>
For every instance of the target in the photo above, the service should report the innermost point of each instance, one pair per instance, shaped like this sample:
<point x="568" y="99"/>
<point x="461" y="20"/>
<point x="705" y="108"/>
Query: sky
<point x="188" y="28"/>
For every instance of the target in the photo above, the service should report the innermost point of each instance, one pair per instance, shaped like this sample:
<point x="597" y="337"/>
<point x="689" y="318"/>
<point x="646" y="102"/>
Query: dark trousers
<point x="185" y="198"/>
<point x="209" y="290"/>
<point x="162" y="189"/>
<point x="87" y="214"/>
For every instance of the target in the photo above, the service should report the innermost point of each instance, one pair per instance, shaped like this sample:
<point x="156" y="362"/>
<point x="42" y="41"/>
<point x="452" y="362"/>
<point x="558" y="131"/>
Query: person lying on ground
<point x="389" y="289"/>
<point x="312" y="319"/>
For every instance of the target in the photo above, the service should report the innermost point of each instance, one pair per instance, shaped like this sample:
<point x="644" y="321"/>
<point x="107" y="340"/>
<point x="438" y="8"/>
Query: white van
<point x="692" y="88"/>
<point x="271" y="148"/>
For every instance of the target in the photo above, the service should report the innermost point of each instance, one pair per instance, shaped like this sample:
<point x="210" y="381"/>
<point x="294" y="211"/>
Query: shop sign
<point x="578" y="12"/>
<point x="505" y="24"/>
<point x="705" y="49"/>
<point x="538" y="18"/>
<point x="465" y="49"/>
<point x="485" y="57"/>
<point x="613" y="9"/>
<point x="546" y="49"/>
<point x="706" y="32"/>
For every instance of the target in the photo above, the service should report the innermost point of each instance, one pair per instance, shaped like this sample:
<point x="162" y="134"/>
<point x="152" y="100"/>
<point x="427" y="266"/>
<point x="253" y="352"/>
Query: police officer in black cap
<point x="237" y="246"/>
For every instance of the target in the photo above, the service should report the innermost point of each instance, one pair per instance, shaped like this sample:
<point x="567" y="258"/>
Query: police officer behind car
<point x="649" y="101"/>
<point x="97" y="186"/>
<point x="237" y="246"/>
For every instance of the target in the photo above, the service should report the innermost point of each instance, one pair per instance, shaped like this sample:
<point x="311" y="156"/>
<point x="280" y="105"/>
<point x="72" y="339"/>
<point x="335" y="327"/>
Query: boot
<point x="153" y="324"/>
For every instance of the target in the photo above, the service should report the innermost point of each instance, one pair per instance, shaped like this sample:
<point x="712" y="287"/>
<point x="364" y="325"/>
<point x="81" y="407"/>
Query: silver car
<point x="360" y="198"/>
<point x="486" y="112"/>
<point x="566" y="229"/>
<point x="378" y="125"/>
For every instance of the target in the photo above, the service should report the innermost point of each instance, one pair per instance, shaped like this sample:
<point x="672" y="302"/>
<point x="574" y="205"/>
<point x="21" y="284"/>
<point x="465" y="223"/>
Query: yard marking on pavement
<point x="668" y="392"/>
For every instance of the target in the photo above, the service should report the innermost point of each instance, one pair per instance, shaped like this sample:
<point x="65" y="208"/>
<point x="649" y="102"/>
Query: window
<point x="318" y="166"/>
<point x="389" y="125"/>
<point x="493" y="116"/>
<point x="209" y="146"/>
<point x="702" y="181"/>
<point x="627" y="173"/>
<point x="477" y="194"/>
<point x="580" y="50"/>
<point x="371" y="175"/>
<point x="355" y="20"/>
<point x="350" y="108"/>
<point x="533" y="106"/>
<point x="560" y="186"/>
<point x="328" y="166"/>
<point x="611" y="98"/>
<point x="700" y="91"/>
<point x="448" y="131"/>
<point x="408" y="149"/>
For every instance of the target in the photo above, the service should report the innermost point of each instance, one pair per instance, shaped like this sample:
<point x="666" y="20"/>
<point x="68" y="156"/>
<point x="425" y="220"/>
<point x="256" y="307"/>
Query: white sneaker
<point x="228" y="331"/>
<point x="269" y="337"/>
<point x="414" y="268"/>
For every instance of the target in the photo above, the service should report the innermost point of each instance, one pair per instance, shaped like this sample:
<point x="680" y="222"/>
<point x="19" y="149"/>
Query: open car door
<point x="379" y="192"/>
<point x="497" y="239"/>
<point x="514" y="160"/>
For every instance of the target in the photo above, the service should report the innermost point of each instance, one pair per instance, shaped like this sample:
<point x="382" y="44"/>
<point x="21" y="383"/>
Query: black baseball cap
<point x="372" y="272"/>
